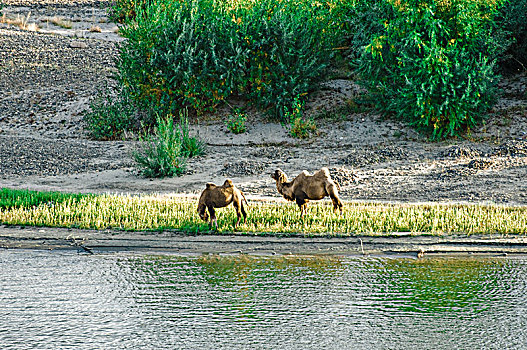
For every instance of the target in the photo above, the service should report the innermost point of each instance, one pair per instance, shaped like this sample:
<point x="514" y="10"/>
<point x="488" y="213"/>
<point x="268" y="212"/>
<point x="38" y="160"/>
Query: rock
<point x="514" y="148"/>
<point x="479" y="164"/>
<point x="460" y="151"/>
<point x="344" y="176"/>
<point x="78" y="45"/>
<point x="244" y="168"/>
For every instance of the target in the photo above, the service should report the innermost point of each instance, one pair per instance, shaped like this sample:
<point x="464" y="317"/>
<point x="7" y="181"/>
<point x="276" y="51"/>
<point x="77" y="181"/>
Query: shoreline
<point x="171" y="242"/>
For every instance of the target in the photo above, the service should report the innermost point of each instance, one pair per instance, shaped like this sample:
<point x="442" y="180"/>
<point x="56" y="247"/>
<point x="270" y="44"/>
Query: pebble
<point x="43" y="73"/>
<point x="78" y="45"/>
<point x="244" y="168"/>
<point x="28" y="157"/>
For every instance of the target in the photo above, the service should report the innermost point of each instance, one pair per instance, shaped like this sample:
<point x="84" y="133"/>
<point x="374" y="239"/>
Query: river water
<point x="65" y="300"/>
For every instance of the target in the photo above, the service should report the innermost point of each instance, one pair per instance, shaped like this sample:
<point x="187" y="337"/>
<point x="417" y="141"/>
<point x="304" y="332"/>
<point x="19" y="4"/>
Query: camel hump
<point x="323" y="173"/>
<point x="210" y="185"/>
<point x="228" y="183"/>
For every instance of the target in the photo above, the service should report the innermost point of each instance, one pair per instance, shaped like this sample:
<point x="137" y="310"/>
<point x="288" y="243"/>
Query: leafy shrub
<point x="166" y="151"/>
<point x="434" y="64"/>
<point x="161" y="154"/>
<point x="236" y="122"/>
<point x="512" y="20"/>
<point x="299" y="126"/>
<point x="361" y="21"/>
<point x="288" y="46"/>
<point x="197" y="53"/>
<point x="191" y="146"/>
<point x="123" y="10"/>
<point x="109" y="117"/>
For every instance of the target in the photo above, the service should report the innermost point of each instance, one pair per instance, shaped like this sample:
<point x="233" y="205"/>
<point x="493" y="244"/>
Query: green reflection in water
<point x="464" y="286"/>
<point x="225" y="268"/>
<point x="439" y="285"/>
<point x="231" y="271"/>
<point x="240" y="287"/>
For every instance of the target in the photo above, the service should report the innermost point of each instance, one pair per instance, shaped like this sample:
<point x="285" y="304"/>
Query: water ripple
<point x="52" y="300"/>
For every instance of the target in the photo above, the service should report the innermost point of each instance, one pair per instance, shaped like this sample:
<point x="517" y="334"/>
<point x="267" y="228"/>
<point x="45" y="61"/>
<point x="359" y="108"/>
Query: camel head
<point x="279" y="176"/>
<point x="202" y="211"/>
<point x="282" y="185"/>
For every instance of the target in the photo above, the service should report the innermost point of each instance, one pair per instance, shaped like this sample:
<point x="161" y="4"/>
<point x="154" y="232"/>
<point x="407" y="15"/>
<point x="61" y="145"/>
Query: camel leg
<point x="243" y="213"/>
<point x="215" y="224"/>
<point x="242" y="199"/>
<point x="301" y="202"/>
<point x="212" y="217"/>
<point x="239" y="207"/>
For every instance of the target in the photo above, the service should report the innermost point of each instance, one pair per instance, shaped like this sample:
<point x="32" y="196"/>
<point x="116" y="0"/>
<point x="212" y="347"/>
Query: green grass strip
<point x="157" y="212"/>
<point x="24" y="198"/>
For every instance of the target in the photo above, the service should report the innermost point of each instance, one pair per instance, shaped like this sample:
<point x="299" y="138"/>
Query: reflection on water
<point x="53" y="300"/>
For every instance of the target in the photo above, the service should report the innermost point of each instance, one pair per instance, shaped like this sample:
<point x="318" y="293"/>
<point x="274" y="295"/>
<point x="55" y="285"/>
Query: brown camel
<point x="307" y="187"/>
<point x="218" y="197"/>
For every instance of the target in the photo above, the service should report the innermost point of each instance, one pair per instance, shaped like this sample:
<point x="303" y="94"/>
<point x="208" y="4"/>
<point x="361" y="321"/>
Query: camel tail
<point x="244" y="199"/>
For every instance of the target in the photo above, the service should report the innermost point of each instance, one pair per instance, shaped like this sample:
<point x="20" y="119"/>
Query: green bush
<point x="512" y="20"/>
<point x="191" y="146"/>
<point x="236" y="122"/>
<point x="196" y="54"/>
<point x="166" y="151"/>
<point x="124" y="10"/>
<point x="433" y="64"/>
<point x="288" y="47"/>
<point x="361" y="21"/>
<point x="109" y="117"/>
<point x="300" y="127"/>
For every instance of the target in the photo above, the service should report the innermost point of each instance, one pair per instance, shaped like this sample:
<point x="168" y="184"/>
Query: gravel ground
<point x="46" y="83"/>
<point x="30" y="157"/>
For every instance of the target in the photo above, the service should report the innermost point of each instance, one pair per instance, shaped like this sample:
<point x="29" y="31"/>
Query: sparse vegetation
<point x="95" y="29"/>
<point x="21" y="22"/>
<point x="300" y="127"/>
<point x="110" y="116"/>
<point x="163" y="212"/>
<point x="236" y="122"/>
<point x="61" y="22"/>
<point x="165" y="152"/>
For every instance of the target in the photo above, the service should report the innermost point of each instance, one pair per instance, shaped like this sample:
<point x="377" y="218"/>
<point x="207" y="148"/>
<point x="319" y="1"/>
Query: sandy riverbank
<point x="168" y="242"/>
